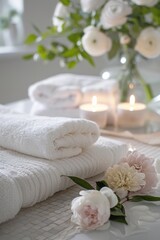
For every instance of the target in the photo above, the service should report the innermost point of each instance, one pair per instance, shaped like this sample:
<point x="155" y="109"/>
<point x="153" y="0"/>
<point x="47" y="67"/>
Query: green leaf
<point x="74" y="37"/>
<point x="65" y="2"/>
<point x="28" y="56"/>
<point x="75" y="16"/>
<point x="50" y="55"/>
<point x="120" y="219"/>
<point x="36" y="29"/>
<point x="114" y="50"/>
<point x="88" y="58"/>
<point x="118" y="214"/>
<point x="148" y="198"/>
<point x="71" y="64"/>
<point x="81" y="182"/>
<point x="70" y="52"/>
<point x="42" y="51"/>
<point x="101" y="184"/>
<point x="31" y="39"/>
<point x="116" y="211"/>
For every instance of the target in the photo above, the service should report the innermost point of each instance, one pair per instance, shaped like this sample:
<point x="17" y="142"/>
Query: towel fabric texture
<point x="27" y="146"/>
<point x="45" y="137"/>
<point x="70" y="90"/>
<point x="26" y="180"/>
<point x="40" y="109"/>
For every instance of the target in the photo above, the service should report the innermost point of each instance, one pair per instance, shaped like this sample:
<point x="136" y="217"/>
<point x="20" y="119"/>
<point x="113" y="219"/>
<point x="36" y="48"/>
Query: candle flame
<point x="132" y="102"/>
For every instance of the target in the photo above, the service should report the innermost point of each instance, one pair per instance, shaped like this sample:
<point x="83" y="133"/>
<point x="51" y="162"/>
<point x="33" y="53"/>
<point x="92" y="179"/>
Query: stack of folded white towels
<point x="63" y="93"/>
<point x="35" y="152"/>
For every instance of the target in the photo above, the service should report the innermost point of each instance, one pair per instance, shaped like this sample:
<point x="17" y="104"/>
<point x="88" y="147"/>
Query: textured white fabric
<point x="5" y="109"/>
<point x="70" y="90"/>
<point x="61" y="87"/>
<point x="40" y="109"/>
<point x="45" y="137"/>
<point x="10" y="197"/>
<point x="57" y="96"/>
<point x="29" y="180"/>
<point x="36" y="180"/>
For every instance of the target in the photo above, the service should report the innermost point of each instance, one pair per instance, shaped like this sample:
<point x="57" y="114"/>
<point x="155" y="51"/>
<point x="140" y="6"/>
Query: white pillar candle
<point x="131" y="114"/>
<point x="94" y="111"/>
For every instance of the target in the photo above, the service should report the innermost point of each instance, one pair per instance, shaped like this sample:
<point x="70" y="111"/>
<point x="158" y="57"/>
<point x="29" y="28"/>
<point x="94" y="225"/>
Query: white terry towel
<point x="34" y="179"/>
<point x="62" y="90"/>
<point x="57" y="96"/>
<point x="10" y="196"/>
<point x="40" y="109"/>
<point x="45" y="137"/>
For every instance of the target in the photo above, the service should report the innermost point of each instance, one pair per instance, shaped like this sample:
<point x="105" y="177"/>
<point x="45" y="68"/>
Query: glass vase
<point x="131" y="81"/>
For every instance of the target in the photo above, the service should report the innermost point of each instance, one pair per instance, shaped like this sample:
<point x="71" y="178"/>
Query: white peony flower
<point x="148" y="3"/>
<point x="113" y="200"/>
<point x="114" y="13"/>
<point x="123" y="179"/>
<point x="92" y="209"/>
<point x="61" y="11"/>
<point x="91" y="5"/>
<point x="95" y="42"/>
<point x="148" y="43"/>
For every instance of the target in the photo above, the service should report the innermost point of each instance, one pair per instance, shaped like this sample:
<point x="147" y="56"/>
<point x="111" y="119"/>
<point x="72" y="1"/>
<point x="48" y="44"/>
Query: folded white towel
<point x="70" y="90"/>
<point x="34" y="179"/>
<point x="5" y="109"/>
<point x="40" y="109"/>
<point x="61" y="87"/>
<point x="45" y="137"/>
<point x="10" y="196"/>
<point x="58" y="96"/>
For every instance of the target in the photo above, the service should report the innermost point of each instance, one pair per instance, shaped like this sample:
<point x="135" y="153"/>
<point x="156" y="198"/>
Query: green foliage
<point x="31" y="39"/>
<point x="72" y="30"/>
<point x="101" y="184"/>
<point x="65" y="2"/>
<point x="118" y="212"/>
<point x="81" y="182"/>
<point x="148" y="198"/>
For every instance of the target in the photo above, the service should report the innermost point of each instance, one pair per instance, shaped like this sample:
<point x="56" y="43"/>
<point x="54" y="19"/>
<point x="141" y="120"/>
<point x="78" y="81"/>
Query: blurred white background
<point x="16" y="74"/>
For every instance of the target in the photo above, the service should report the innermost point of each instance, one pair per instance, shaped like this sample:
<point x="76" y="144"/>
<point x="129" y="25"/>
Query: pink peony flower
<point x="144" y="165"/>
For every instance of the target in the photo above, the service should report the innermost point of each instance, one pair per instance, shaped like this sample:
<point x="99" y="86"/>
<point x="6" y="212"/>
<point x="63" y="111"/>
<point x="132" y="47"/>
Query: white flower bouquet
<point x="130" y="180"/>
<point x="93" y="28"/>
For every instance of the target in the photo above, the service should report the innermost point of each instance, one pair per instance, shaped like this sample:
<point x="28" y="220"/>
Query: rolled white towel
<point x="62" y="90"/>
<point x="45" y="137"/>
<point x="57" y="97"/>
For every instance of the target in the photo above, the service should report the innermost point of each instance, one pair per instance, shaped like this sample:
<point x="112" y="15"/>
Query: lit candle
<point x="94" y="111"/>
<point x="131" y="114"/>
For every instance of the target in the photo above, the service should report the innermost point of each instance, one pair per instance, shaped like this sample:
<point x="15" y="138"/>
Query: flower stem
<point x="146" y="86"/>
<point x="130" y="74"/>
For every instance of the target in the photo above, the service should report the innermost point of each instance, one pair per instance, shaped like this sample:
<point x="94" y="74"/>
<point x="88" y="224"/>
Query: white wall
<point x="16" y="74"/>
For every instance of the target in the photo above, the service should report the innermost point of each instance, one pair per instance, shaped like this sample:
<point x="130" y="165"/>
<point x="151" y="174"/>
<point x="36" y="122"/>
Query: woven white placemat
<point x="49" y="219"/>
